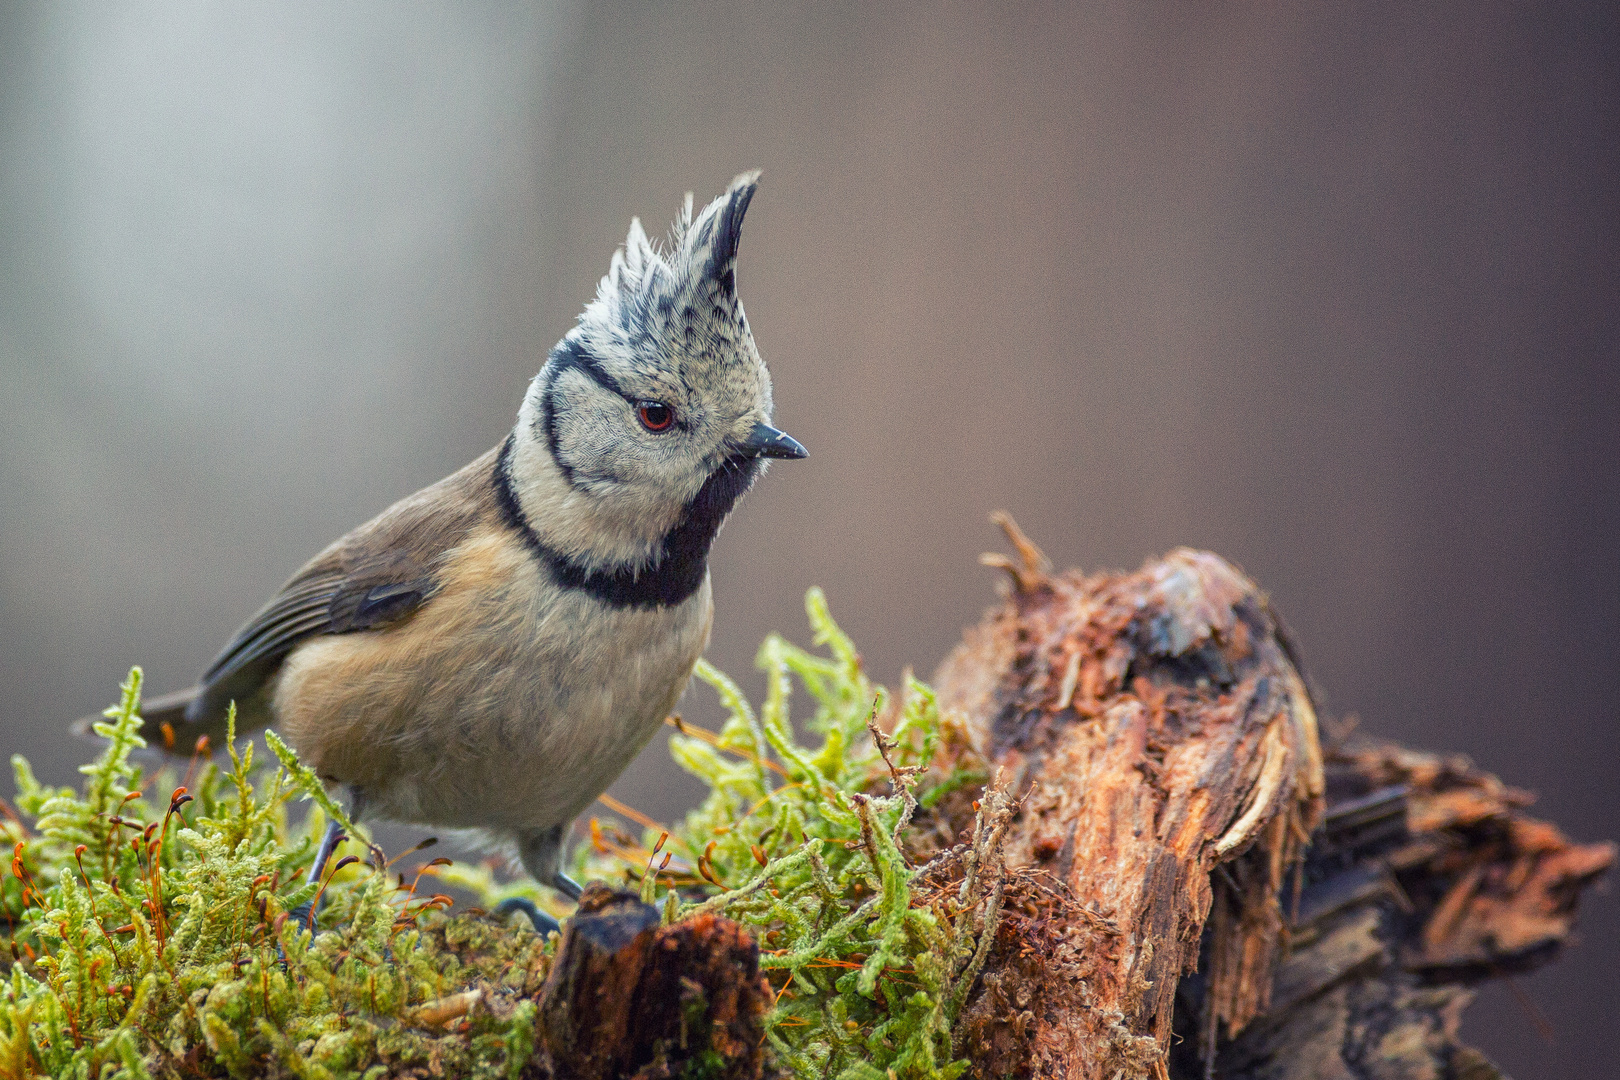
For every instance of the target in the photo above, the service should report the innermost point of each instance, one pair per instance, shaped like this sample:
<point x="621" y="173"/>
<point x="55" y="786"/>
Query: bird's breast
<point x="505" y="702"/>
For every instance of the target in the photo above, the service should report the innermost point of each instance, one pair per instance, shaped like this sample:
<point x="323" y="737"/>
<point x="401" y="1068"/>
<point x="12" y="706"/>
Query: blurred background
<point x="1331" y="291"/>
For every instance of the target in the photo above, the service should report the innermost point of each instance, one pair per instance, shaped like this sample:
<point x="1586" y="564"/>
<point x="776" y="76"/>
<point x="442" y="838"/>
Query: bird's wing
<point x="331" y="596"/>
<point x="375" y="577"/>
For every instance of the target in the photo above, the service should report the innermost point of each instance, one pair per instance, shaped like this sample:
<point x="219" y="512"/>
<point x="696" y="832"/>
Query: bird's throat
<point x="680" y="560"/>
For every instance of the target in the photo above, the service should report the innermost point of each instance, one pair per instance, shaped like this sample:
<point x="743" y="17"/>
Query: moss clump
<point x="872" y="954"/>
<point x="147" y="933"/>
<point x="150" y="938"/>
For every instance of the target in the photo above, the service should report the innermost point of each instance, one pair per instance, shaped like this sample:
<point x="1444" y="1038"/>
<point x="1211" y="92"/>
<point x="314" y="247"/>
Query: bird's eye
<point x="655" y="415"/>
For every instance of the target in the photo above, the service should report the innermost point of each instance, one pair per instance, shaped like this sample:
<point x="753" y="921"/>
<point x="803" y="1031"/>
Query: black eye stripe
<point x="548" y="420"/>
<point x="571" y="355"/>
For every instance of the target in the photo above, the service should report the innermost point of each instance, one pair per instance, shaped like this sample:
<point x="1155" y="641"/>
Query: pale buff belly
<point x="500" y="705"/>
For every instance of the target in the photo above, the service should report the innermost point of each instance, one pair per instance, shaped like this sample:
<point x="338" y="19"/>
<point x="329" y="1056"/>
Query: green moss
<point x="148" y="937"/>
<point x="147" y="932"/>
<point x="808" y="842"/>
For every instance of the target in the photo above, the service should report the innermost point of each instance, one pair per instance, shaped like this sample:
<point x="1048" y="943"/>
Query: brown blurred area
<point x="1331" y="291"/>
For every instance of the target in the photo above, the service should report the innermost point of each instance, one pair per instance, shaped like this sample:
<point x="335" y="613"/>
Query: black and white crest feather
<point x="693" y="285"/>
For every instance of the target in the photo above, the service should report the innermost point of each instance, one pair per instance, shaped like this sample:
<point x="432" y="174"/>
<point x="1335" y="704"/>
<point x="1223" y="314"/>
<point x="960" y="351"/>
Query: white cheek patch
<point x="600" y="444"/>
<point x="667" y="326"/>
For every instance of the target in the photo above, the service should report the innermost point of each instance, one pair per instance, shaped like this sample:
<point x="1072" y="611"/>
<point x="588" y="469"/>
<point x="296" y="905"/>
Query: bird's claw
<point x="543" y="924"/>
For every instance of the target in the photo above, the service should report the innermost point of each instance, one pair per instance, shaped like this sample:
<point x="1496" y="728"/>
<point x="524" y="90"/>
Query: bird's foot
<point x="543" y="923"/>
<point x="304" y="915"/>
<point x="567" y="886"/>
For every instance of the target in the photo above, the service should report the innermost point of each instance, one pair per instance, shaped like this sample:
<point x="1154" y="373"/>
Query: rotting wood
<point x="629" y="998"/>
<point x="1167" y="751"/>
<point x="1426" y="879"/>
<point x="1161" y="731"/>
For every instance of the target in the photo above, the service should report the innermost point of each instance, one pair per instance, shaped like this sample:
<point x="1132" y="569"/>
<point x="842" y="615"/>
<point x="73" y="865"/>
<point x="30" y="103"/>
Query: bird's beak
<point x="766" y="441"/>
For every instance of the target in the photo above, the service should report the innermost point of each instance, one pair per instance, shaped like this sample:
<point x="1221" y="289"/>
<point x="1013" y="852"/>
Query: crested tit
<point x="492" y="651"/>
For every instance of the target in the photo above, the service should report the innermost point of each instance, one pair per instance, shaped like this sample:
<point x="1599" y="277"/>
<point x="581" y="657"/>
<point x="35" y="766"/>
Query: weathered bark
<point x="1425" y="879"/>
<point x="630" y="998"/>
<point x="1161" y="731"/>
<point x="1173" y="770"/>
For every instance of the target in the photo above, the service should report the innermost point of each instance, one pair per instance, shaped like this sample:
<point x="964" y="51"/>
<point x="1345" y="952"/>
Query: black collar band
<point x="683" y="557"/>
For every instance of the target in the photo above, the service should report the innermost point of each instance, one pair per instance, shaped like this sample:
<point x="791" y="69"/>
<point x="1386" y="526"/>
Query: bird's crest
<point x="697" y="271"/>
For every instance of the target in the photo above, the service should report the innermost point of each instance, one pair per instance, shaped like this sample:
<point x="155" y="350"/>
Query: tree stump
<point x="628" y="997"/>
<point x="1195" y="885"/>
<point x="1172" y="773"/>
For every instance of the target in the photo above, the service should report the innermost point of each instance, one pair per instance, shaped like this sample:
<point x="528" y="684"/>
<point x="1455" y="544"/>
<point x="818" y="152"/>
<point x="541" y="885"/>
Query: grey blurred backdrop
<point x="1330" y="291"/>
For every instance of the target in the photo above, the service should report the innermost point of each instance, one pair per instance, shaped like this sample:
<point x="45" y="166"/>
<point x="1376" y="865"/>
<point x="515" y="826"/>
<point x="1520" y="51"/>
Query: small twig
<point x="901" y="779"/>
<point x="441" y="1011"/>
<point x="1031" y="561"/>
<point x="996" y="810"/>
<point x="863" y="810"/>
<point x="1538" y="1019"/>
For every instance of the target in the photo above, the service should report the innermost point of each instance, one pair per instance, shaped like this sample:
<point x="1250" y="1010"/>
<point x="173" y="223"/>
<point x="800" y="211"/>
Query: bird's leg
<point x="541" y="852"/>
<point x="305" y="912"/>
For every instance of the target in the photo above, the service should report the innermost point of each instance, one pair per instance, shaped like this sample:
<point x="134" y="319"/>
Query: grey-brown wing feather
<point x="324" y="600"/>
<point x="375" y="577"/>
<point x="326" y="597"/>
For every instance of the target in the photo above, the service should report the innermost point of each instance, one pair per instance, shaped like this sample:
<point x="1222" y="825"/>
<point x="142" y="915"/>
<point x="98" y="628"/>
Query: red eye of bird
<point x="655" y="415"/>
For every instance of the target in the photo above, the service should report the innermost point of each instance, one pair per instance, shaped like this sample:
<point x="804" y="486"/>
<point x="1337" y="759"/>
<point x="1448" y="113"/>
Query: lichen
<point x="148" y="933"/>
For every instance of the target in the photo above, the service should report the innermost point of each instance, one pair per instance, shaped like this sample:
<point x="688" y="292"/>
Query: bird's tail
<point x="165" y="725"/>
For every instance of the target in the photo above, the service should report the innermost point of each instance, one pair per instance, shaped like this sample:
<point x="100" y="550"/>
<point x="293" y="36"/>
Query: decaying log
<point x="1161" y="732"/>
<point x="1426" y="878"/>
<point x="1191" y="885"/>
<point x="628" y="997"/>
<point x="1174" y="772"/>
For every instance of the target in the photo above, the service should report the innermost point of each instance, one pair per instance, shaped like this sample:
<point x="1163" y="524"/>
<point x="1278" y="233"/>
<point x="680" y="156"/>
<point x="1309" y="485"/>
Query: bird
<point x="490" y="653"/>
